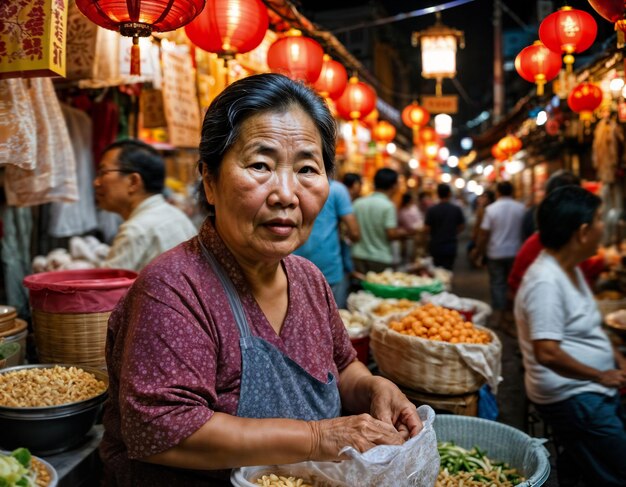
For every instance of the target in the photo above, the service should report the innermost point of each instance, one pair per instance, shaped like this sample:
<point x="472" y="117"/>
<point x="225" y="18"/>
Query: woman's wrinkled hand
<point x="330" y="436"/>
<point x="391" y="406"/>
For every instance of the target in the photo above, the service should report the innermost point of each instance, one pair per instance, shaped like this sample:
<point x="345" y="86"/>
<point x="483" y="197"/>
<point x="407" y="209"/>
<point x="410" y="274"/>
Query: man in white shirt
<point x="130" y="181"/>
<point x="501" y="236"/>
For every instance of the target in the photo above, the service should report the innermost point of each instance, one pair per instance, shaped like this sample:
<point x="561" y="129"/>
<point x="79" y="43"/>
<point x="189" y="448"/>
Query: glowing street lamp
<point x="438" y="45"/>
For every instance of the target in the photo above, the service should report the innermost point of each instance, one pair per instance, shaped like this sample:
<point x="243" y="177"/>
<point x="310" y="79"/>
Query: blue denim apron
<point x="273" y="385"/>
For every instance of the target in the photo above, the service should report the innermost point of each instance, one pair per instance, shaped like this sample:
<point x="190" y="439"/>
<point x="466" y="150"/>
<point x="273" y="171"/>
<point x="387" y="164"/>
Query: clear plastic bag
<point x="413" y="464"/>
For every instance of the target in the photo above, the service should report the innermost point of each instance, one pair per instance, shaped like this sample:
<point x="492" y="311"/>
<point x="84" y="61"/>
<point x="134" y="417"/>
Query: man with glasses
<point x="130" y="181"/>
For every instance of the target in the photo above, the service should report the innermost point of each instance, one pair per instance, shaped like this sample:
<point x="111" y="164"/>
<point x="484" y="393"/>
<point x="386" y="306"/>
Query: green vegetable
<point x="15" y="469"/>
<point x="23" y="456"/>
<point x="455" y="459"/>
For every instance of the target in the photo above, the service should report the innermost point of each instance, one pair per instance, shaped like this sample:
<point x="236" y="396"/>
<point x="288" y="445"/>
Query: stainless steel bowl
<point x="50" y="429"/>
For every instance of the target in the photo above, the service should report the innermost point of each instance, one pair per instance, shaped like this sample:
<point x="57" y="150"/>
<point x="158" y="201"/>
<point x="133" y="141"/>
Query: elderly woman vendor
<point x="228" y="351"/>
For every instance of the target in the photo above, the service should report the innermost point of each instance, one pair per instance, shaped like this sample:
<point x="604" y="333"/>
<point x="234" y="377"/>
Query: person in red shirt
<point x="532" y="247"/>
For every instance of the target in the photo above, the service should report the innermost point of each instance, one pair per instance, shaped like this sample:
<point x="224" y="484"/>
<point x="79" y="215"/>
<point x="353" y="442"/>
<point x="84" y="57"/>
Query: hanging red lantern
<point x="509" y="145"/>
<point x="139" y="18"/>
<point x="428" y="134"/>
<point x="497" y="153"/>
<point x="296" y="56"/>
<point x="229" y="27"/>
<point x="383" y="132"/>
<point x="357" y="101"/>
<point x="415" y="117"/>
<point x="611" y="10"/>
<point x="568" y="31"/>
<point x="332" y="80"/>
<point x="584" y="99"/>
<point x="538" y="64"/>
<point x="431" y="149"/>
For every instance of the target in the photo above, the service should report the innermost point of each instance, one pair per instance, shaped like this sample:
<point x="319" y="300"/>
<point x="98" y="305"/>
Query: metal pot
<point x="50" y="429"/>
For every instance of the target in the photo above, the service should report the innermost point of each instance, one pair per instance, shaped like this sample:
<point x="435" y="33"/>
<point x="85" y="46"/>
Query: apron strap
<point x="231" y="292"/>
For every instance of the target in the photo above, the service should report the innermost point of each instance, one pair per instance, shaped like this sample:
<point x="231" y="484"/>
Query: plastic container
<point x="412" y="293"/>
<point x="17" y="334"/>
<point x="70" y="312"/>
<point x="7" y="351"/>
<point x="500" y="441"/>
<point x="78" y="291"/>
<point x="362" y="347"/>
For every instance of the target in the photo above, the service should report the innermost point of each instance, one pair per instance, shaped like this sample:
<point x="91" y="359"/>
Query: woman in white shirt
<point x="572" y="372"/>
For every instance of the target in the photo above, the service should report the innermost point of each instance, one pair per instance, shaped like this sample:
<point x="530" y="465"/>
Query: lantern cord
<point x="407" y="15"/>
<point x="463" y="93"/>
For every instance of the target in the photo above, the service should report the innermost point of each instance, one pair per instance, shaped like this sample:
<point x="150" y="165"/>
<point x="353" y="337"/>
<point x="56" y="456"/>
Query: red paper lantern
<point x="428" y="134"/>
<point x="357" y="100"/>
<point x="538" y="64"/>
<point x="332" y="80"/>
<point x="568" y="31"/>
<point x="383" y="132"/>
<point x="139" y="18"/>
<point x="296" y="56"/>
<point x="497" y="153"/>
<point x="415" y="117"/>
<point x="584" y="99"/>
<point x="431" y="149"/>
<point x="611" y="10"/>
<point x="229" y="27"/>
<point x="509" y="145"/>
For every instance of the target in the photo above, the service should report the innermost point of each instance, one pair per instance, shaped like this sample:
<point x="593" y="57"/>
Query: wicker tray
<point x="501" y="442"/>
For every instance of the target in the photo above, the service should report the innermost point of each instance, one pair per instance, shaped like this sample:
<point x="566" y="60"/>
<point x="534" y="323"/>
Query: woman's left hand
<point x="390" y="405"/>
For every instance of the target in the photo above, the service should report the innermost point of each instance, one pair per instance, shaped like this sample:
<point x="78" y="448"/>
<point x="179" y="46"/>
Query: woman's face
<point x="271" y="185"/>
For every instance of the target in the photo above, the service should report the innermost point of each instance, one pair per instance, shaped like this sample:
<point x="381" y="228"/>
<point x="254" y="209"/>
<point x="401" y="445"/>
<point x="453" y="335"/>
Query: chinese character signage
<point x="32" y="38"/>
<point x="180" y="99"/>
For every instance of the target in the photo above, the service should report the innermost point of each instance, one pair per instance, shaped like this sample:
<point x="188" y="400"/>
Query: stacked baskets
<point x="70" y="312"/>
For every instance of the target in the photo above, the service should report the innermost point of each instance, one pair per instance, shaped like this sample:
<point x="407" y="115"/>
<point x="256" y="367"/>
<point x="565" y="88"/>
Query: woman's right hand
<point x="330" y="436"/>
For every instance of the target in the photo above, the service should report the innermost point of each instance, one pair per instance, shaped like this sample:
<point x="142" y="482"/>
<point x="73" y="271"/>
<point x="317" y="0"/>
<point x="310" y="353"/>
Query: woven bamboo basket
<point x="434" y="367"/>
<point x="71" y="338"/>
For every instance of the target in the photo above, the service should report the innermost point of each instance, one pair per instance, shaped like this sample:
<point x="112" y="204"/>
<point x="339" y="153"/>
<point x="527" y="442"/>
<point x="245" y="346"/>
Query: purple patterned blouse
<point x="173" y="353"/>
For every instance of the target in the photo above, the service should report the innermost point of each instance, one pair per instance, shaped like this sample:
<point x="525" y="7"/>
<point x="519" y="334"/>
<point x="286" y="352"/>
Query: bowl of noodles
<point x="49" y="408"/>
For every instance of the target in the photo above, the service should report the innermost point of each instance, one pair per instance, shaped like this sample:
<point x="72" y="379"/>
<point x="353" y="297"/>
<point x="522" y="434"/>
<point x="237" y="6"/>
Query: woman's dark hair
<point x="562" y="212"/>
<point x="490" y="195"/>
<point x="350" y="179"/>
<point x="137" y="156"/>
<point x="251" y="96"/>
<point x="385" y="179"/>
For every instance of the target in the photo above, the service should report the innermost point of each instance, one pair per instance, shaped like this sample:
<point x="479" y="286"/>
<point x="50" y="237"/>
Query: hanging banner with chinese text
<point x="180" y="99"/>
<point x="32" y="38"/>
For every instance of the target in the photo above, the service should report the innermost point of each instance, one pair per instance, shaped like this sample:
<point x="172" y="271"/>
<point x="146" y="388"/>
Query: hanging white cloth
<point x="69" y="219"/>
<point x="18" y="142"/>
<point x="54" y="176"/>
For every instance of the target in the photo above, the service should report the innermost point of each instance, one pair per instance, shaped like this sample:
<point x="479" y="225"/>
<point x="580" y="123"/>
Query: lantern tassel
<point x="135" y="58"/>
<point x="540" y="88"/>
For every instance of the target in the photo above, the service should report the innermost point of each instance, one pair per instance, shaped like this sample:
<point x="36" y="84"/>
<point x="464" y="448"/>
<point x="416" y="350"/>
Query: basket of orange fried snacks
<point x="433" y="349"/>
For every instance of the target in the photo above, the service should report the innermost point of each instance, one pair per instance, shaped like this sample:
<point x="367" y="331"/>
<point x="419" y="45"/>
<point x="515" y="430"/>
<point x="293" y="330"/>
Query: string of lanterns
<point x="231" y="27"/>
<point x="566" y="32"/>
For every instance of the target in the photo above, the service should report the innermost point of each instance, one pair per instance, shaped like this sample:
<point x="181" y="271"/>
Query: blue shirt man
<point x="323" y="246"/>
